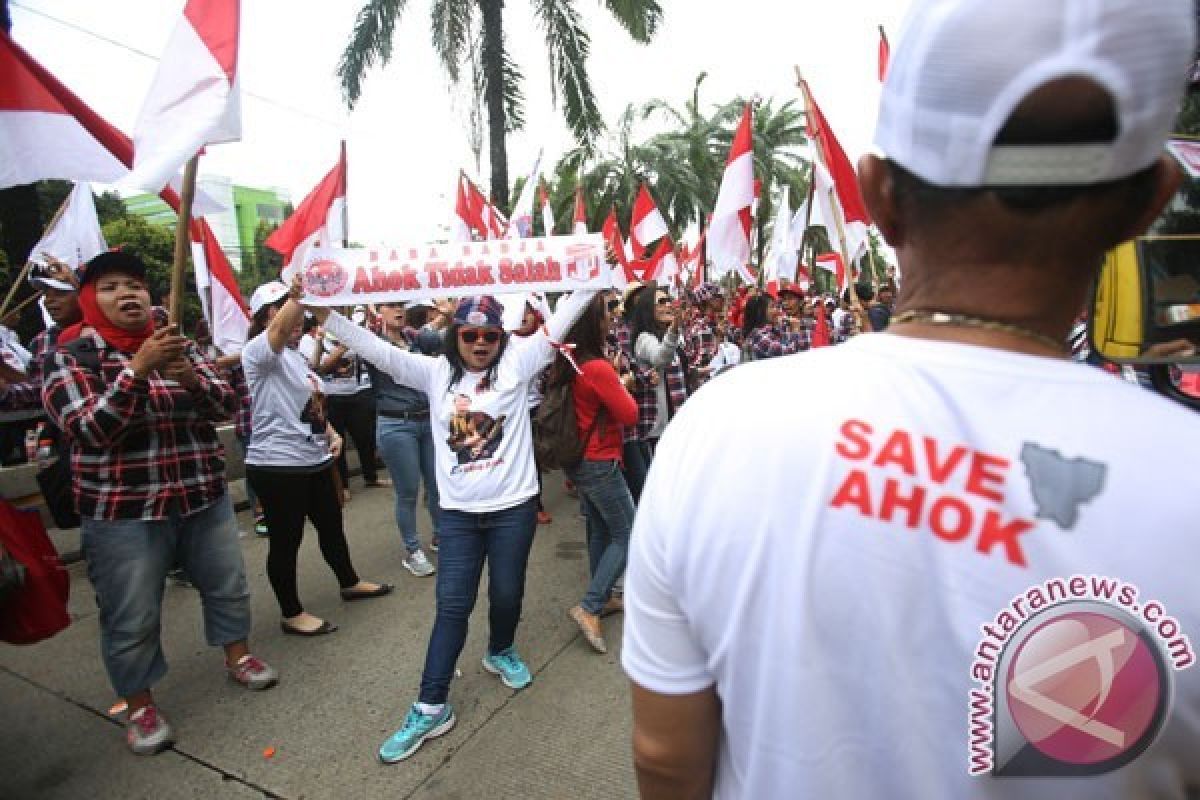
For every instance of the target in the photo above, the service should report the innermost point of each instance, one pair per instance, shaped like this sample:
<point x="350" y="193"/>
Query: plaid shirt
<point x="645" y="389"/>
<point x="767" y="341"/>
<point x="245" y="413"/>
<point x="847" y="329"/>
<point x="140" y="448"/>
<point x="700" y="343"/>
<point x="28" y="393"/>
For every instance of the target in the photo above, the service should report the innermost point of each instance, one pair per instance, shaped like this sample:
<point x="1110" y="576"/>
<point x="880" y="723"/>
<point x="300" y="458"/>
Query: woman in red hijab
<point x="139" y="407"/>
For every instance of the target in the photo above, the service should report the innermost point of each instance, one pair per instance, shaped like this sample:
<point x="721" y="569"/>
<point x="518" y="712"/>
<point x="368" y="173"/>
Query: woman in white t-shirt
<point x="290" y="458"/>
<point x="487" y="484"/>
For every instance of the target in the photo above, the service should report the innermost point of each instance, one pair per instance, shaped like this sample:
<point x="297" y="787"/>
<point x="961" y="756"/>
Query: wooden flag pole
<point x="12" y="290"/>
<point x="183" y="241"/>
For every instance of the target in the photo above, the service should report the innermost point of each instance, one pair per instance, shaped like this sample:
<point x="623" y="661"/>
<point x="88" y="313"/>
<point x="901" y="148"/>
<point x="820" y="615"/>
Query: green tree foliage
<point x="469" y="38"/>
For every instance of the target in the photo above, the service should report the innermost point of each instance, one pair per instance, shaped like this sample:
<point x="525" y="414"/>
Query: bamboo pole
<point x="183" y="241"/>
<point x="12" y="290"/>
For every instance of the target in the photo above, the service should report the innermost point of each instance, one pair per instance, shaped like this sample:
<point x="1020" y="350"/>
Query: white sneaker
<point x="418" y="564"/>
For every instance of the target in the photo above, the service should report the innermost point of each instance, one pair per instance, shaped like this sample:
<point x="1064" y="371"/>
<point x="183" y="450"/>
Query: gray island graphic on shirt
<point x="1061" y="485"/>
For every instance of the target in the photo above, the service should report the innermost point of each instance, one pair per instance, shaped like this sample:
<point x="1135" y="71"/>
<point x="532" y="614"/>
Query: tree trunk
<point x="20" y="215"/>
<point x="492" y="13"/>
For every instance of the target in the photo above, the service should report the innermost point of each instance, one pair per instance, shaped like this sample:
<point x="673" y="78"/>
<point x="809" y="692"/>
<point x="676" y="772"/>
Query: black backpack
<point x="556" y="441"/>
<point x="57" y="480"/>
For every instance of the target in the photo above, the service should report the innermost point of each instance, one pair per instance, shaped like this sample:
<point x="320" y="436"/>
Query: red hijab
<point x="124" y="340"/>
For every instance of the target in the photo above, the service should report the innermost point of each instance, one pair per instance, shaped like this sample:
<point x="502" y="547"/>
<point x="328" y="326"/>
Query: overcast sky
<point x="407" y="139"/>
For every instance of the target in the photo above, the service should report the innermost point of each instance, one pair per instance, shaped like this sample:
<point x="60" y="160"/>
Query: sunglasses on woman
<point x="472" y="336"/>
<point x="613" y="305"/>
<point x="662" y="300"/>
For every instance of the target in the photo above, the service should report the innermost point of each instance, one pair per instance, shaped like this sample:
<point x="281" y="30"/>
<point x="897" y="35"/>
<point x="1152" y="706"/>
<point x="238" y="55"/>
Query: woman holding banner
<point x="487" y="484"/>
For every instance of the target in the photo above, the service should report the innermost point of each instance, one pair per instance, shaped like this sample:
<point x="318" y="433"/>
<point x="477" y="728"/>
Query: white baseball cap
<point x="266" y="295"/>
<point x="961" y="67"/>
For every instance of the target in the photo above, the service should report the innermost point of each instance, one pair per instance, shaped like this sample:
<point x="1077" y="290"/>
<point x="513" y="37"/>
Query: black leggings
<point x="287" y="499"/>
<point x="355" y="413"/>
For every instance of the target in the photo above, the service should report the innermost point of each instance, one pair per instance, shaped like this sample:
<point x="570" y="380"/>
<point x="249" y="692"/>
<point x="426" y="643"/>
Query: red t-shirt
<point x="598" y="387"/>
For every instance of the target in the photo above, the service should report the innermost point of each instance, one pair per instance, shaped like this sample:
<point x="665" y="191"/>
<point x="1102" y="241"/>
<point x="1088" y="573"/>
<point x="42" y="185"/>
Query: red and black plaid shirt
<point x="140" y="448"/>
<point x="700" y="343"/>
<point x="767" y="341"/>
<point x="27" y="394"/>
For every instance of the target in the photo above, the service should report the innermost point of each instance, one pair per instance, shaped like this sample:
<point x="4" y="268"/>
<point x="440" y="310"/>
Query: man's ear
<point x="1168" y="177"/>
<point x="879" y="193"/>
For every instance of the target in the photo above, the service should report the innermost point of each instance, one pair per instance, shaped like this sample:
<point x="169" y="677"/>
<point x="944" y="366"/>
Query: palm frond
<point x="514" y="95"/>
<point x="451" y="33"/>
<point x="370" y="44"/>
<point x="640" y="18"/>
<point x="568" y="45"/>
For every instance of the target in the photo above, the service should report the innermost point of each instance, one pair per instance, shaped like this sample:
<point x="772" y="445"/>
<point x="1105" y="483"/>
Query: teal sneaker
<point x="509" y="666"/>
<point x="417" y="729"/>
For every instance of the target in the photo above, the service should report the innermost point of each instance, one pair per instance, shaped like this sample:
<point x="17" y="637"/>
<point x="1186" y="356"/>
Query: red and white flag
<point x="781" y="257"/>
<point x="729" y="232"/>
<point x="486" y="219"/>
<point x="227" y="316"/>
<point x="581" y="223"/>
<point x="194" y="99"/>
<point x="845" y="180"/>
<point x="461" y="223"/>
<point x="521" y="223"/>
<point x="46" y="132"/>
<point x="648" y="224"/>
<point x="622" y="272"/>
<point x="885" y="54"/>
<point x="832" y="262"/>
<point x="547" y="212"/>
<point x="319" y="219"/>
<point x="664" y="265"/>
<point x="827" y="211"/>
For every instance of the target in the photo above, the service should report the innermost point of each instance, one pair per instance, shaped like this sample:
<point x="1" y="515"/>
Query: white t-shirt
<point x="842" y="645"/>
<point x="482" y="435"/>
<point x="288" y="422"/>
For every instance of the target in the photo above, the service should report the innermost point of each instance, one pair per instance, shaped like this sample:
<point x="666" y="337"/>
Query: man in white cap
<point x="928" y="585"/>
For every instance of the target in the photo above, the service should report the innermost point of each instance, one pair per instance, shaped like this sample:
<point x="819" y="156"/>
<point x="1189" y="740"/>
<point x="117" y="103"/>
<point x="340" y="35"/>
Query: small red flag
<point x="885" y="54"/>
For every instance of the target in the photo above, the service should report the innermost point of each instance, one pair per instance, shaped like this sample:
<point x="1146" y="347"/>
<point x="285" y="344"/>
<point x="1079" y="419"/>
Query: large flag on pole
<point x="194" y="99"/>
<point x="781" y="257"/>
<point x="317" y="220"/>
<point x="647" y="225"/>
<point x="581" y="225"/>
<point x="461" y="222"/>
<point x="547" y="212"/>
<point x="827" y="211"/>
<point x="622" y="274"/>
<point x="75" y="237"/>
<point x="729" y="231"/>
<point x="834" y="157"/>
<point x="227" y="317"/>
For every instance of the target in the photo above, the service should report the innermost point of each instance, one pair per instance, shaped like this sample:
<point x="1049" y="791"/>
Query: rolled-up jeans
<point x="407" y="449"/>
<point x="608" y="509"/>
<point x="127" y="562"/>
<point x="503" y="539"/>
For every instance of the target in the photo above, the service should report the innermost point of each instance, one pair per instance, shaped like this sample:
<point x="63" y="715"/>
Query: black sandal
<point x="350" y="595"/>
<point x="325" y="627"/>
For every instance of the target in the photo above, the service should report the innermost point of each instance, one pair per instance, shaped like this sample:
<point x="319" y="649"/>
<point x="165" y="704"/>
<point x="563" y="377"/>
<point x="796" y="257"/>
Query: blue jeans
<point x="608" y="509"/>
<point x="503" y="538"/>
<point x="127" y="562"/>
<point x="636" y="454"/>
<point x="407" y="449"/>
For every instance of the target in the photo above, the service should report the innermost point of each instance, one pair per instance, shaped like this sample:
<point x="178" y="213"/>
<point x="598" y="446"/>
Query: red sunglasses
<point x="472" y="336"/>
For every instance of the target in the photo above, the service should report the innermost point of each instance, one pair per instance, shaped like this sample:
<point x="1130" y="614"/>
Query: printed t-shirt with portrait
<point x="288" y="407"/>
<point x="482" y="431"/>
<point x="831" y="575"/>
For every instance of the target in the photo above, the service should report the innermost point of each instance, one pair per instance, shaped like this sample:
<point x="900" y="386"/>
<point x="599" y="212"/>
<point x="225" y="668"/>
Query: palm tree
<point x="470" y="33"/>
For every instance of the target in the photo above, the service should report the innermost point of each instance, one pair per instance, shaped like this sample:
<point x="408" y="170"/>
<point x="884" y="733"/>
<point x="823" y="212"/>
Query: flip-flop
<point x="350" y="595"/>
<point x="325" y="627"/>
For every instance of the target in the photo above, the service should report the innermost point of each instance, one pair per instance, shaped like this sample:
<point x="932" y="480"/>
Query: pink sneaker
<point x="253" y="673"/>
<point x="147" y="732"/>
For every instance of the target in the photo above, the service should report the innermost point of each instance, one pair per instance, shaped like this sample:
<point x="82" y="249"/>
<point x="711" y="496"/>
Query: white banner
<point x="343" y="277"/>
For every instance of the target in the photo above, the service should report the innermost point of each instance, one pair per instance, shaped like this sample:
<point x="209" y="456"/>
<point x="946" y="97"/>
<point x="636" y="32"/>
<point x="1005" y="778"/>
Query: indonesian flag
<point x="485" y="217"/>
<point x="836" y="161"/>
<point x="521" y="224"/>
<point x="622" y="273"/>
<point x="647" y="225"/>
<point x="693" y="263"/>
<point x="664" y="266"/>
<point x="581" y="225"/>
<point x="460" y="223"/>
<point x="194" y="99"/>
<point x="828" y="211"/>
<point x="832" y="262"/>
<point x="227" y="316"/>
<point x="319" y="219"/>
<point x="547" y="212"/>
<point x="46" y="131"/>
<point x="885" y="54"/>
<point x="75" y="237"/>
<point x="729" y="232"/>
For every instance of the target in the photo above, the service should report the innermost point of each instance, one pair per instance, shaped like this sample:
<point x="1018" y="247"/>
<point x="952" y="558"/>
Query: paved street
<point x="565" y="736"/>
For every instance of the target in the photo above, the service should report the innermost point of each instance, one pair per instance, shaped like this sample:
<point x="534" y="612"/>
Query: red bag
<point x="38" y="609"/>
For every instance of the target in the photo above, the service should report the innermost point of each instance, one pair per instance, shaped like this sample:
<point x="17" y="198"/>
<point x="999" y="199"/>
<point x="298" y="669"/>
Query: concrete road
<point x="566" y="736"/>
